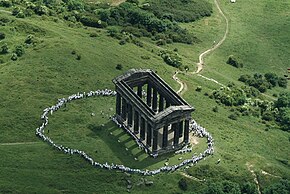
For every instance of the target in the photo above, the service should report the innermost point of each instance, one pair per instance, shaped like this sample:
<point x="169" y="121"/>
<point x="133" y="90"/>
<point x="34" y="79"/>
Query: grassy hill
<point x="68" y="58"/>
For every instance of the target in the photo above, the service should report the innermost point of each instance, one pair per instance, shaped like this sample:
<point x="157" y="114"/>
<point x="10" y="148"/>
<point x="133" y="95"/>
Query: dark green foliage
<point x="223" y="187"/>
<point x="262" y="83"/>
<point x="233" y="61"/>
<point x="92" y="22"/>
<point x="75" y="5"/>
<point x="182" y="184"/>
<point x="171" y="58"/>
<point x="282" y="82"/>
<point x="4" y="49"/>
<point x="141" y="23"/>
<point x="119" y="66"/>
<point x="230" y="97"/>
<point x="283" y="100"/>
<point x="248" y="188"/>
<point x="284" y="118"/>
<point x="79" y="57"/>
<point x="215" y="109"/>
<point x="233" y="116"/>
<point x="14" y="57"/>
<point x="272" y="78"/>
<point x="198" y="89"/>
<point x="19" y="50"/>
<point x="2" y="35"/>
<point x="30" y="39"/>
<point x="133" y="1"/>
<point x="5" y="3"/>
<point x="282" y="187"/>
<point x="180" y="10"/>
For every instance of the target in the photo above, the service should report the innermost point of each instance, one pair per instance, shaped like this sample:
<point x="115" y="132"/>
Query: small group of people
<point x="194" y="127"/>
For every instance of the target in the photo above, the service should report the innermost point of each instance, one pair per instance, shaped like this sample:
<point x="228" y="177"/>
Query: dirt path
<point x="183" y="86"/>
<point x="4" y="11"/>
<point x="191" y="177"/>
<point x="250" y="166"/>
<point x="201" y="57"/>
<point x="18" y="143"/>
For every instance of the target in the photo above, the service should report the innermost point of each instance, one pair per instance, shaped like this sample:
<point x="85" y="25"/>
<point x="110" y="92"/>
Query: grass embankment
<point x="50" y="71"/>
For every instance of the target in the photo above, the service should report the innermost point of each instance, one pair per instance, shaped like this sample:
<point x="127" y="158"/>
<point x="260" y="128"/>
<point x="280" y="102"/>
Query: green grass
<point x="48" y="71"/>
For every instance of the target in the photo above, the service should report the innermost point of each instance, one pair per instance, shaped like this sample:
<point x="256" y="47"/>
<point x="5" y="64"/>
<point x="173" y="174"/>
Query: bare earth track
<point x="201" y="57"/>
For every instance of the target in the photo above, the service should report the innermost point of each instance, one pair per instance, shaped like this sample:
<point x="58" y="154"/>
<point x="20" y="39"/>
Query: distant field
<point x="259" y="35"/>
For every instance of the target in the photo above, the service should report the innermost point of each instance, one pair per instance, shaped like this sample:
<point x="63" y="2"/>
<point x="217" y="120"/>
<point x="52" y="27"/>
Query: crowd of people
<point x="194" y="128"/>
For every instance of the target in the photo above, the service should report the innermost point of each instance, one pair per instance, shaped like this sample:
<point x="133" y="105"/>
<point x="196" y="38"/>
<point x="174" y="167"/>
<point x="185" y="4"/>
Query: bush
<point x="215" y="109"/>
<point x="119" y="66"/>
<point x="14" y="57"/>
<point x="4" y="49"/>
<point x="2" y="36"/>
<point x="5" y="3"/>
<point x="79" y="57"/>
<point x="198" y="89"/>
<point x="180" y="11"/>
<point x="182" y="183"/>
<point x="19" y="50"/>
<point x="282" y="82"/>
<point x="234" y="62"/>
<point x="171" y="58"/>
<point x="30" y="39"/>
<point x="233" y="116"/>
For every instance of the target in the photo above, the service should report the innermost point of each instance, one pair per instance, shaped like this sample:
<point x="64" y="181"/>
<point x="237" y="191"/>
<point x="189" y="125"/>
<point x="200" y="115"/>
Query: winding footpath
<point x="201" y="57"/>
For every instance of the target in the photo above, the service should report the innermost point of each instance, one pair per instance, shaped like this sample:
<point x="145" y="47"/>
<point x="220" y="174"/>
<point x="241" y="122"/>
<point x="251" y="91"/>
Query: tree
<point x="234" y="62"/>
<point x="119" y="66"/>
<point x="19" y="50"/>
<point x="282" y="82"/>
<point x="283" y="100"/>
<point x="272" y="78"/>
<point x="4" y="49"/>
<point x="2" y="35"/>
<point x="182" y="183"/>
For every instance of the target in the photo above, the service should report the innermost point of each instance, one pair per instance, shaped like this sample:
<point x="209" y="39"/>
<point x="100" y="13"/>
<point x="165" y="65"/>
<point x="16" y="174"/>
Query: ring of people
<point x="196" y="129"/>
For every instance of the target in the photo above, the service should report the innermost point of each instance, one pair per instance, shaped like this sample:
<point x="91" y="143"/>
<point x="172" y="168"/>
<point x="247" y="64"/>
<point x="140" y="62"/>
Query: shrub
<point x="19" y="50"/>
<point x="119" y="66"/>
<point x="282" y="82"/>
<point x="182" y="183"/>
<point x="215" y="109"/>
<point x="234" y="62"/>
<point x="2" y="36"/>
<point x="5" y="3"/>
<point x="233" y="116"/>
<point x="4" y="49"/>
<point x="30" y="39"/>
<point x="79" y="57"/>
<point x="198" y="89"/>
<point x="171" y="58"/>
<point x="14" y="57"/>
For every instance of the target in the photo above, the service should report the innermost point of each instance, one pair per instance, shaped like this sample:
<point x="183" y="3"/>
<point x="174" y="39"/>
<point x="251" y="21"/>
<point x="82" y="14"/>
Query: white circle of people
<point x="194" y="128"/>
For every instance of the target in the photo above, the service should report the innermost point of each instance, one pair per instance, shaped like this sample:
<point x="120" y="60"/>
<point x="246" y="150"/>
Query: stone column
<point x="130" y="115"/>
<point x="139" y="91"/>
<point x="124" y="109"/>
<point x="161" y="103"/>
<point x="176" y="133"/>
<point x="149" y="135"/>
<point x="165" y="137"/>
<point x="142" y="129"/>
<point x="180" y="128"/>
<point x="136" y="122"/>
<point x="118" y="104"/>
<point x="149" y="94"/>
<point x="154" y="105"/>
<point x="186" y="131"/>
<point x="155" y="141"/>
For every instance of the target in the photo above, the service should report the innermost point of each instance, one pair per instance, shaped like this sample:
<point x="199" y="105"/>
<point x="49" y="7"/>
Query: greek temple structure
<point x="156" y="115"/>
